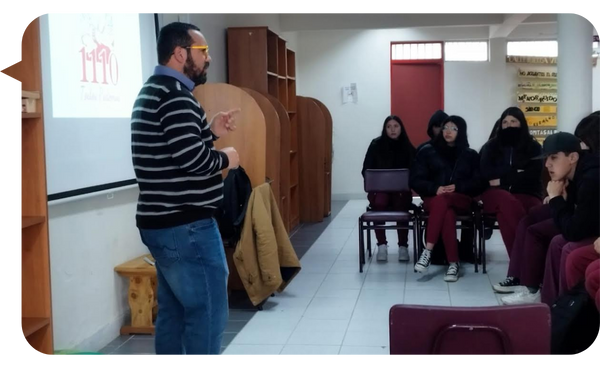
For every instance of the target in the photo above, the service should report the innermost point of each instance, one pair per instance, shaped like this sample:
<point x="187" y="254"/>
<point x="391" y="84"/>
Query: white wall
<point x="596" y="88"/>
<point x="328" y="60"/>
<point x="89" y="237"/>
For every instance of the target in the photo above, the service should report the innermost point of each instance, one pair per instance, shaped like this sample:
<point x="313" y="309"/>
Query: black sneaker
<point x="452" y="273"/>
<point x="510" y="285"/>
<point x="424" y="261"/>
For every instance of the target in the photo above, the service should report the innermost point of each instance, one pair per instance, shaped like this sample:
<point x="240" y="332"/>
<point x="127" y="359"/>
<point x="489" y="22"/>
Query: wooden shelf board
<point x="31" y="115"/>
<point x="27" y="221"/>
<point x="32" y="325"/>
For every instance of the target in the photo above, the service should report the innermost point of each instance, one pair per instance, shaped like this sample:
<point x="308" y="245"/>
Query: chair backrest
<point x="384" y="180"/>
<point x="522" y="329"/>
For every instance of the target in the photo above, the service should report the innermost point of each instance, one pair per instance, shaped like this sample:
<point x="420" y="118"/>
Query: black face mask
<point x="510" y="136"/>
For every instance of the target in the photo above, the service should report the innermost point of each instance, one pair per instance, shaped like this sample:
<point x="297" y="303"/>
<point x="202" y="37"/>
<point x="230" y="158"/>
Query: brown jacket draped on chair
<point x="264" y="256"/>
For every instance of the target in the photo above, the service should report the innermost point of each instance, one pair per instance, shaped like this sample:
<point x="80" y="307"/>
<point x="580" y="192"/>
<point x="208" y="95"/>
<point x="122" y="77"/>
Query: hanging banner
<point x="531" y="60"/>
<point x="537" y="97"/>
<point x="537" y="85"/>
<point x="541" y="121"/>
<point x="541" y="134"/>
<point x="548" y="109"/>
<point x="532" y="73"/>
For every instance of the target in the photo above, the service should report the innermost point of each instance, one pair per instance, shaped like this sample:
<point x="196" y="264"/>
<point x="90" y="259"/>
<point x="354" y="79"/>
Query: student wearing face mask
<point x="514" y="177"/>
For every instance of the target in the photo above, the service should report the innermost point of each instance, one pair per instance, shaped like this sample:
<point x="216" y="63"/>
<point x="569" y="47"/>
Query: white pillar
<point x="574" y="70"/>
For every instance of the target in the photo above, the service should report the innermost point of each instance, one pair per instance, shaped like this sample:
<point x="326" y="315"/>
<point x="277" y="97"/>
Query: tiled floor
<point x="331" y="308"/>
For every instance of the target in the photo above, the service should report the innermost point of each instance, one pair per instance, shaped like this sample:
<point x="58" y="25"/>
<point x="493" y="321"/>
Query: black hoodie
<point x="387" y="153"/>
<point x="438" y="165"/>
<point x="578" y="217"/>
<point x="436" y="120"/>
<point x="511" y="160"/>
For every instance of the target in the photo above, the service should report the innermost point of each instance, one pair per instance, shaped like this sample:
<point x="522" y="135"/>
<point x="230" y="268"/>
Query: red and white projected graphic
<point x="95" y="64"/>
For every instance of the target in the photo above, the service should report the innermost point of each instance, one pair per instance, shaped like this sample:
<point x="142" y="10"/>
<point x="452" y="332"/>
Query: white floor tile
<point x="319" y="332"/>
<point x="330" y="308"/>
<point x="310" y="350"/>
<point x="427" y="297"/>
<point x="343" y="281"/>
<point x="365" y="350"/>
<point x="260" y="332"/>
<point x="367" y="338"/>
<point x="253" y="349"/>
<point x="338" y="293"/>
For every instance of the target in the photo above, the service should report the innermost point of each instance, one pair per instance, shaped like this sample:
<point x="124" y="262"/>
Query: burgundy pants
<point x="584" y="264"/>
<point x="509" y="210"/>
<point x="390" y="202"/>
<point x="555" y="275"/>
<point x="442" y="220"/>
<point x="534" y="234"/>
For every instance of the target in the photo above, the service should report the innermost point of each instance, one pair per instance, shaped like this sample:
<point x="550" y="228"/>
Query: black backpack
<point x="575" y="322"/>
<point x="230" y="215"/>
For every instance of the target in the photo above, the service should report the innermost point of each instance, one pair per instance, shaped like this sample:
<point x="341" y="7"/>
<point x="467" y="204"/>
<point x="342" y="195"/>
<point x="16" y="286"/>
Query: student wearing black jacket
<point x="434" y="127"/>
<point x="446" y="175"/>
<point x="574" y="192"/>
<point x="514" y="177"/>
<point x="391" y="150"/>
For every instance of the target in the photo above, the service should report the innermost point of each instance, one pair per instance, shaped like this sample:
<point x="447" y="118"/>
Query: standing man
<point x="178" y="172"/>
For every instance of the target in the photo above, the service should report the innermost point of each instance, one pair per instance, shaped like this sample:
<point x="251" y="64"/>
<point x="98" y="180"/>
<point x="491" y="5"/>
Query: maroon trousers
<point x="390" y="202"/>
<point x="584" y="264"/>
<point x="509" y="210"/>
<point x="442" y="220"/>
<point x="592" y="281"/>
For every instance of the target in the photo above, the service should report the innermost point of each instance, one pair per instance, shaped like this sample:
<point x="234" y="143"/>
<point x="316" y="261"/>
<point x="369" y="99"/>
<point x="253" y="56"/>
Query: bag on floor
<point x="575" y="322"/>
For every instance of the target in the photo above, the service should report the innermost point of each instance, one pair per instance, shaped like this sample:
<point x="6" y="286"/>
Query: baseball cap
<point x="560" y="142"/>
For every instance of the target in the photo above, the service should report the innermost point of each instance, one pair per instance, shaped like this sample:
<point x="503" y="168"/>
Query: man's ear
<point x="574" y="157"/>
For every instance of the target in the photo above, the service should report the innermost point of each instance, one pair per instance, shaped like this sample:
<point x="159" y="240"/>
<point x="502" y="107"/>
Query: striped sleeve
<point x="186" y="132"/>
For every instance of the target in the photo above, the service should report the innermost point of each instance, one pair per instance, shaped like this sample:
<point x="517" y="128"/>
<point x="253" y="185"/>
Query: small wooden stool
<point x="142" y="294"/>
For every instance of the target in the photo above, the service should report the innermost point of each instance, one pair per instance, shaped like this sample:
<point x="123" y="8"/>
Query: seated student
<point x="446" y="175"/>
<point x="574" y="192"/>
<point x="434" y="127"/>
<point x="584" y="264"/>
<point x="515" y="183"/>
<point x="391" y="150"/>
<point x="538" y="226"/>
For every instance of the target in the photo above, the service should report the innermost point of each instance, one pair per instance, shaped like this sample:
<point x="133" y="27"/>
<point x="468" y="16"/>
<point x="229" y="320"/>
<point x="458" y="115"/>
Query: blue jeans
<point x="192" y="287"/>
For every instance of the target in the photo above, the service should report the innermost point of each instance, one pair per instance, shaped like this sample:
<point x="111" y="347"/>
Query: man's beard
<point x="198" y="76"/>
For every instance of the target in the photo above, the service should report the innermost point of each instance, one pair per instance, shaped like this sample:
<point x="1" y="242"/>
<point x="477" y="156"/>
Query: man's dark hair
<point x="171" y="36"/>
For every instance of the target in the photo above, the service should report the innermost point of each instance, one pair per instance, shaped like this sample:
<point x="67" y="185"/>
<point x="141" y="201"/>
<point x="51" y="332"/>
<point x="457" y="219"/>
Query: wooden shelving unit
<point x="36" y="311"/>
<point x="270" y="70"/>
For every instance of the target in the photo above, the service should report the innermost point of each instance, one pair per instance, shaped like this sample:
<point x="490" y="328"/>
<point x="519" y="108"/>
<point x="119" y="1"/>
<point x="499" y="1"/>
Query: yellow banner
<point x="542" y="133"/>
<point x="532" y="73"/>
<point x="548" y="109"/>
<point x="537" y="85"/>
<point x="531" y="60"/>
<point x="537" y="97"/>
<point x="541" y="121"/>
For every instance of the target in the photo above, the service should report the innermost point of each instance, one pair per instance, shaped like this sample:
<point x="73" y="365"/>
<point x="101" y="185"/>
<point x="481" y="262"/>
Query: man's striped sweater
<point x="177" y="167"/>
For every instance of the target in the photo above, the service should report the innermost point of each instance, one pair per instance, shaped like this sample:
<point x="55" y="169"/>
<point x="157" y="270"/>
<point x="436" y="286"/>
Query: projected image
<point x="95" y="64"/>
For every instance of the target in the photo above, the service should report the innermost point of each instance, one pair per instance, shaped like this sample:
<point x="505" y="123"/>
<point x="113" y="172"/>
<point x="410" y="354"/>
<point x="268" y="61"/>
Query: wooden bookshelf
<point x="271" y="70"/>
<point x="36" y="305"/>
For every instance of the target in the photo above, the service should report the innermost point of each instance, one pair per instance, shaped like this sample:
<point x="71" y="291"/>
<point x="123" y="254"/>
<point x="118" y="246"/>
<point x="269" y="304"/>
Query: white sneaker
<point x="452" y="273"/>
<point x="382" y="253"/>
<point x="403" y="254"/>
<point x="522" y="297"/>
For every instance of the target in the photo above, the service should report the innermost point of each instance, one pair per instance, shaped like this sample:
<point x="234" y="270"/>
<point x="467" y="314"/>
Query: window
<point x="537" y="48"/>
<point x="466" y="51"/>
<point x="532" y="48"/>
<point x="416" y="51"/>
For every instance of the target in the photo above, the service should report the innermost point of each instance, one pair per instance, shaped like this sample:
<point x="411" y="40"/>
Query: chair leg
<point x="361" y="246"/>
<point x="483" y="260"/>
<point x="475" y="235"/>
<point x="369" y="240"/>
<point x="415" y="231"/>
